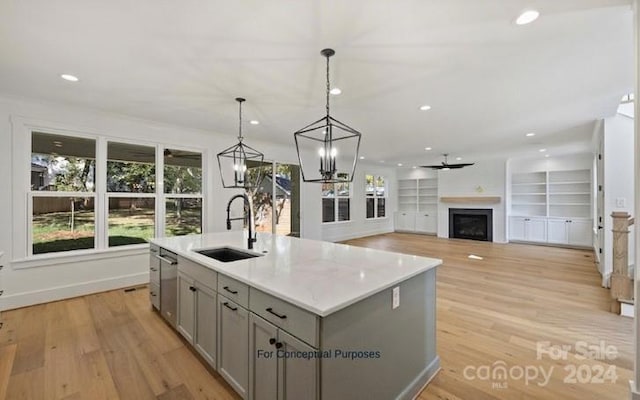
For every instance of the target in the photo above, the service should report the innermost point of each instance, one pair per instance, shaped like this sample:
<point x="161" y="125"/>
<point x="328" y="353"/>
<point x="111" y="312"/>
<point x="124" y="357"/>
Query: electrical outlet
<point x="396" y="297"/>
<point x="621" y="202"/>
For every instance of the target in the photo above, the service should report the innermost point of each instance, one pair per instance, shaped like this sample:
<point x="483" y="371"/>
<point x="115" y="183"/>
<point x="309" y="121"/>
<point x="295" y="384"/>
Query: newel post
<point x="621" y="282"/>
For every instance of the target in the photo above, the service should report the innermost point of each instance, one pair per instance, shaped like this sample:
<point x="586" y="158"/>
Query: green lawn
<point x="52" y="231"/>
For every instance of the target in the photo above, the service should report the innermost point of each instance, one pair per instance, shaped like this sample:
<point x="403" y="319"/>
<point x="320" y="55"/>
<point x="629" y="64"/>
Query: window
<point x="182" y="192"/>
<point x="69" y="193"/>
<point x="62" y="193"/>
<point x="376" y="196"/>
<point x="131" y="169"/>
<point x="336" y="200"/>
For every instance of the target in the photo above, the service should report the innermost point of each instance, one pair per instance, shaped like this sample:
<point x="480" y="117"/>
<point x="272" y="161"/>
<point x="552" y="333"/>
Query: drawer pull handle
<point x="154" y="269"/>
<point x="229" y="290"/>
<point x="153" y="294"/>
<point x="272" y="341"/>
<point x="154" y="250"/>
<point x="278" y="345"/>
<point x="229" y="307"/>
<point x="193" y="289"/>
<point x="167" y="260"/>
<point x="281" y="316"/>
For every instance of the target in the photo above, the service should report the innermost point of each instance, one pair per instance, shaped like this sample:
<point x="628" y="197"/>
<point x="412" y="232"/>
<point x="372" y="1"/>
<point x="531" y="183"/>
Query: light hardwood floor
<point x="111" y="346"/>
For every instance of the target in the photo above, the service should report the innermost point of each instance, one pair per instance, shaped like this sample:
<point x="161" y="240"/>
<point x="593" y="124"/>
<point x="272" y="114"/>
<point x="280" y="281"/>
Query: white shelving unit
<point x="551" y="207"/>
<point x="417" y="205"/>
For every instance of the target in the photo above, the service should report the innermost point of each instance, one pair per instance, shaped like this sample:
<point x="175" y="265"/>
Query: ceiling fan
<point x="446" y="166"/>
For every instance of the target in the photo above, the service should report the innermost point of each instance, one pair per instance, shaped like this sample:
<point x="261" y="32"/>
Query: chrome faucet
<point x="248" y="216"/>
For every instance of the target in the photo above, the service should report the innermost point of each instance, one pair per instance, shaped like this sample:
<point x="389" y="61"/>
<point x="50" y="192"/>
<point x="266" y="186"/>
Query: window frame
<point x="376" y="197"/>
<point x="336" y="207"/>
<point x="22" y="133"/>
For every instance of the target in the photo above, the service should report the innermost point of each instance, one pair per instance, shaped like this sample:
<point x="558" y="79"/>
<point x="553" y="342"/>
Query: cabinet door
<point x="517" y="228"/>
<point x="536" y="229"/>
<point x="425" y="222"/>
<point x="263" y="361"/>
<point x="557" y="231"/>
<point x="406" y="221"/>
<point x="205" y="333"/>
<point x="186" y="306"/>
<point x="297" y="376"/>
<point x="580" y="232"/>
<point x="233" y="344"/>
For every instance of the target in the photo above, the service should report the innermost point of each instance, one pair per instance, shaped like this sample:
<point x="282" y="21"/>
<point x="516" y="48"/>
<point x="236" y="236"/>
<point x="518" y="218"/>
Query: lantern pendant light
<point x="330" y="142"/>
<point x="235" y="161"/>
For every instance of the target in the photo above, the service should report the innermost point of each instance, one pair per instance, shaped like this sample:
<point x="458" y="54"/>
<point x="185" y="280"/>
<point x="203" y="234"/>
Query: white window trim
<point x="22" y="219"/>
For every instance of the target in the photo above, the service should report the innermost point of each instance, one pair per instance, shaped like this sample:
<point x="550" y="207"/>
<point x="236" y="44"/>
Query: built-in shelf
<point x="417" y="195"/>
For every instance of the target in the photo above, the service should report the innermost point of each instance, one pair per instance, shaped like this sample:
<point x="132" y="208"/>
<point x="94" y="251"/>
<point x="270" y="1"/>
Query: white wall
<point x="485" y="178"/>
<point x="618" y="181"/>
<point x="30" y="282"/>
<point x="359" y="226"/>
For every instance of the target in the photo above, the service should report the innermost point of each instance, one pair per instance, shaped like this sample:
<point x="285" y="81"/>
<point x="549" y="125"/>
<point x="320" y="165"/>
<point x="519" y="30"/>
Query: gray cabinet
<point x="154" y="277"/>
<point x="197" y="311"/>
<point x="205" y="323"/>
<point x="233" y="344"/>
<point x="275" y="373"/>
<point x="186" y="306"/>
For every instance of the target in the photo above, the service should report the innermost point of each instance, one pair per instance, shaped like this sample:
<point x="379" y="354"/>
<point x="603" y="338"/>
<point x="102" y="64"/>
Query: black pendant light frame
<point x="329" y="127"/>
<point x="239" y="155"/>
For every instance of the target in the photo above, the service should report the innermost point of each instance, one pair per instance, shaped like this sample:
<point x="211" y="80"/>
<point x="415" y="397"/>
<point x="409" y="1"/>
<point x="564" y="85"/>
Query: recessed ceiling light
<point x="542" y="150"/>
<point x="530" y="134"/>
<point x="414" y="167"/>
<point x="427" y="148"/>
<point x="399" y="164"/>
<point x="254" y="122"/>
<point x="69" y="78"/>
<point x="546" y="155"/>
<point x="425" y="107"/>
<point x="381" y="161"/>
<point x="335" y="91"/>
<point x="527" y="17"/>
<point x="362" y="157"/>
<point x="458" y="158"/>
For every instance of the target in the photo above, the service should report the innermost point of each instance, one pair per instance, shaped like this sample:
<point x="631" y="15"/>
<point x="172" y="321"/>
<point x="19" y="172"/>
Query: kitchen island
<point x="301" y="319"/>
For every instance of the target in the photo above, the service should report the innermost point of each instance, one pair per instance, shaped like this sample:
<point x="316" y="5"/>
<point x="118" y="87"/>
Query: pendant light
<point x="325" y="142"/>
<point x="234" y="162"/>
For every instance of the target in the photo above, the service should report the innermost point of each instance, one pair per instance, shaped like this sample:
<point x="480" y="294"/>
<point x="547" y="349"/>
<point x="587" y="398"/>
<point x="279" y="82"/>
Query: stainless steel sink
<point x="227" y="254"/>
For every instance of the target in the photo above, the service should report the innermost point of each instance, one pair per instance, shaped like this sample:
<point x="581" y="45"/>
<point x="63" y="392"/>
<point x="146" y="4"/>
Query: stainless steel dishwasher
<point x="168" y="285"/>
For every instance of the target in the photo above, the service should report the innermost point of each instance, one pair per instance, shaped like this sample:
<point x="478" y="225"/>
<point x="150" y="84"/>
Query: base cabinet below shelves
<point x="528" y="229"/>
<point x="411" y="221"/>
<point x="425" y="223"/>
<point x="272" y="374"/>
<point x="569" y="231"/>
<point x="405" y="221"/>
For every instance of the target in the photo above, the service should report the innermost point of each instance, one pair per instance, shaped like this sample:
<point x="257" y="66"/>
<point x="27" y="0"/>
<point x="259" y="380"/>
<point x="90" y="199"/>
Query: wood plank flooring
<point x="491" y="312"/>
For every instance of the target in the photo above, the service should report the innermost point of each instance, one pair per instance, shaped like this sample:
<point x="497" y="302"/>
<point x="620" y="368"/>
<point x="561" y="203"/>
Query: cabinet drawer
<point x="154" y="272"/>
<point x="234" y="290"/>
<point x="154" y="295"/>
<point x="296" y="321"/>
<point x="154" y="262"/>
<point x="199" y="273"/>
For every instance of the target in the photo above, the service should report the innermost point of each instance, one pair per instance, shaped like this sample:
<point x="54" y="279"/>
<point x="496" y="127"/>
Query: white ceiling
<point x="488" y="80"/>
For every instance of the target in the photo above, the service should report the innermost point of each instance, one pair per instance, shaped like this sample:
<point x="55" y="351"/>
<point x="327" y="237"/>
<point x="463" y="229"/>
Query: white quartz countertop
<point x="320" y="277"/>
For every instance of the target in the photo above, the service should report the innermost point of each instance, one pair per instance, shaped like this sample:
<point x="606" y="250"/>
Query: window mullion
<point x="101" y="202"/>
<point x="160" y="196"/>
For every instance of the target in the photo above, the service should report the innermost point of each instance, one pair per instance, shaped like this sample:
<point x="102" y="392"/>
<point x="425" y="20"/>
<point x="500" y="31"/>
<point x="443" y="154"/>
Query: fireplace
<point x="471" y="223"/>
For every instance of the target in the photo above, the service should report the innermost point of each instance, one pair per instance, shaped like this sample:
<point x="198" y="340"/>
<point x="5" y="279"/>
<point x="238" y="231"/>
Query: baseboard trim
<point x="421" y="381"/>
<point x="25" y="299"/>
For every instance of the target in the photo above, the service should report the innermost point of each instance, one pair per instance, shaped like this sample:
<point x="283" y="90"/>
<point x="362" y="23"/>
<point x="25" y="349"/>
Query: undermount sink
<point x="227" y="254"/>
